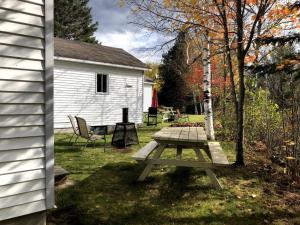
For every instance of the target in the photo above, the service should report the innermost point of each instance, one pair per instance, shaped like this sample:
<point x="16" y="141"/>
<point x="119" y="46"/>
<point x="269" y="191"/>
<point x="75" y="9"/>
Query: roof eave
<point x="100" y="63"/>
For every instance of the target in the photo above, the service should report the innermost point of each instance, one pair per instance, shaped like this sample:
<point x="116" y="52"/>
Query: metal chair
<point x="75" y="129"/>
<point x="152" y="113"/>
<point x="85" y="133"/>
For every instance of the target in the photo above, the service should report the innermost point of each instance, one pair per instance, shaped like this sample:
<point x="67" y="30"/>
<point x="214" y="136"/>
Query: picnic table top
<point x="181" y="134"/>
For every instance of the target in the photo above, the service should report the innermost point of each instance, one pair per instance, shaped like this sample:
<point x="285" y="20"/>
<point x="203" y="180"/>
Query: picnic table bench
<point x="183" y="138"/>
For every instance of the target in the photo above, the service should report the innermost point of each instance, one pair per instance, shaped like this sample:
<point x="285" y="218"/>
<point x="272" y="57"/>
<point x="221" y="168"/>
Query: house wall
<point x="75" y="94"/>
<point x="147" y="96"/>
<point x="26" y="132"/>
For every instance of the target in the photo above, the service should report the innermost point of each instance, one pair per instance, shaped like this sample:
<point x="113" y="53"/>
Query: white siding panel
<point x="74" y="93"/>
<point x="18" y="40"/>
<point x="24" y="35"/>
<point x="21" y="86"/>
<point x="21" y="97"/>
<point x="21" y="64"/>
<point x="14" y="132"/>
<point x="147" y="97"/>
<point x="21" y="210"/>
<point x="11" y="51"/>
<point x="19" y="166"/>
<point x="21" y="17"/>
<point x="6" y="202"/>
<point x="21" y="177"/>
<point x="30" y="142"/>
<point x="40" y="2"/>
<point x="17" y="121"/>
<point x="11" y="109"/>
<point x="21" y="154"/>
<point x="23" y="6"/>
<point x="21" y="75"/>
<point x="28" y="186"/>
<point x="21" y="29"/>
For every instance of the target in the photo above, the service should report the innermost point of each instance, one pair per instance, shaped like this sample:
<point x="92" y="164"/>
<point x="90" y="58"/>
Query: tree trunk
<point x="241" y="64"/>
<point x="208" y="112"/>
<point x="195" y="103"/>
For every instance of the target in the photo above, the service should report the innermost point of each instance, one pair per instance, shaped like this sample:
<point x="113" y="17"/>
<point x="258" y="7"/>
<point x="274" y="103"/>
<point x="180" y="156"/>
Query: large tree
<point x="172" y="72"/>
<point x="73" y="20"/>
<point x="230" y="25"/>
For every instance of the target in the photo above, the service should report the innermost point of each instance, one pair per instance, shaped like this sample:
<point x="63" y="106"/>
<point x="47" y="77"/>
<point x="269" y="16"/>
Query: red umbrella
<point x="154" y="98"/>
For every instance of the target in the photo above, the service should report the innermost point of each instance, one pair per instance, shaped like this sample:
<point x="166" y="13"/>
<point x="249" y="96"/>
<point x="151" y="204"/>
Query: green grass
<point x="105" y="190"/>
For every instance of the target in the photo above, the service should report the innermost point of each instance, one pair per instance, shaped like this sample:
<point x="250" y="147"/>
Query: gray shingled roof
<point x="148" y="79"/>
<point x="94" y="52"/>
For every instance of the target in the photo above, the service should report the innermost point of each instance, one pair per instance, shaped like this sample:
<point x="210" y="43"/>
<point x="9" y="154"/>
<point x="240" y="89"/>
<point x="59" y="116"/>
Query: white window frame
<point x="107" y="84"/>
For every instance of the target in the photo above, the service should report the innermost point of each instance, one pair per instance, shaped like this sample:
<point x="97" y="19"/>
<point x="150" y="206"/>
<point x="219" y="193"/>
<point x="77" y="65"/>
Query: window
<point x="102" y="83"/>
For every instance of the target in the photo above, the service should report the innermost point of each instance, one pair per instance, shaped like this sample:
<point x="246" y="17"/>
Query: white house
<point x="95" y="82"/>
<point x="148" y="91"/>
<point x="26" y="118"/>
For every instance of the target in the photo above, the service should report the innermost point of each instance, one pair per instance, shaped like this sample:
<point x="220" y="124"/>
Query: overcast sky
<point x="116" y="31"/>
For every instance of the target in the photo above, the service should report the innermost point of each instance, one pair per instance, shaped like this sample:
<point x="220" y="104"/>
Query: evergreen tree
<point x="172" y="71"/>
<point x="73" y="20"/>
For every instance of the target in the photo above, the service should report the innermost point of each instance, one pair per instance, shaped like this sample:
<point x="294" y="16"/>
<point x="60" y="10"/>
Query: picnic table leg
<point x="150" y="164"/>
<point x="179" y="152"/>
<point x="214" y="180"/>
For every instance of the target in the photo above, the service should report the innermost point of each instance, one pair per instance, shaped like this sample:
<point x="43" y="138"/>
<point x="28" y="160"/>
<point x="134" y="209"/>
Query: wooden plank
<point x="22" y="29"/>
<point x="17" y="40"/>
<point x="144" y="152"/>
<point x="17" y="121"/>
<point x="15" y="63"/>
<point x="21" y="210"/>
<point x="14" y="178"/>
<point x="150" y="164"/>
<point x="193" y="135"/>
<point x="20" y="143"/>
<point x="201" y="134"/>
<point x="20" y="86"/>
<point x="24" y="7"/>
<point x="21" y="154"/>
<point x="183" y="163"/>
<point x="21" y="97"/>
<point x="14" y="16"/>
<point x="23" y="198"/>
<point x="184" y="134"/>
<point x="21" y="109"/>
<point x="19" y="166"/>
<point x="28" y="186"/>
<point x="21" y="75"/>
<point x="21" y="52"/>
<point x="217" y="154"/>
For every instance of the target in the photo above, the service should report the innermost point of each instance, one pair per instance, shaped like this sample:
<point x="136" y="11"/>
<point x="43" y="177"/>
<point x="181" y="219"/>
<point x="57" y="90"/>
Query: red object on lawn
<point x="154" y="103"/>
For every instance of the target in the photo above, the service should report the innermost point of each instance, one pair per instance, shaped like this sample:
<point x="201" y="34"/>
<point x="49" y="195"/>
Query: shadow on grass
<point x="111" y="195"/>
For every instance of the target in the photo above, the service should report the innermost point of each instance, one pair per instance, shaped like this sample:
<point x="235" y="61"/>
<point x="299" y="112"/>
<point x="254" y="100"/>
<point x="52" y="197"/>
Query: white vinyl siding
<point x="147" y="96"/>
<point x="74" y="93"/>
<point x="23" y="181"/>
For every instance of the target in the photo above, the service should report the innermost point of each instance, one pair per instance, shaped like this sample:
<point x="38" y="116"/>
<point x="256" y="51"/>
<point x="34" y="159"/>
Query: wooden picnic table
<point x="183" y="138"/>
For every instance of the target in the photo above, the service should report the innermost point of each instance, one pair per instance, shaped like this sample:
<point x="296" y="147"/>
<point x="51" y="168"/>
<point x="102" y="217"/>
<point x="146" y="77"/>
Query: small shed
<point x="95" y="82"/>
<point x="26" y="106"/>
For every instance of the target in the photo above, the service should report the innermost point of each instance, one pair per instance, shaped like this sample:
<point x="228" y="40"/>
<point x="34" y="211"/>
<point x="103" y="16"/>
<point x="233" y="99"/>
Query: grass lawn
<point x="103" y="190"/>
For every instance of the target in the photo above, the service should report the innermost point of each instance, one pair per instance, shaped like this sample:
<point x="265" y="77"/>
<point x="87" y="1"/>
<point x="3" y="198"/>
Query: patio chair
<point x="152" y="115"/>
<point x="180" y="116"/>
<point x="85" y="133"/>
<point x="75" y="129"/>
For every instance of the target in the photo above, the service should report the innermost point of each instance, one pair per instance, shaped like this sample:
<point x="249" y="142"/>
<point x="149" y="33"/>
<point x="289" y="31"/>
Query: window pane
<point x="104" y="84"/>
<point x="99" y="83"/>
